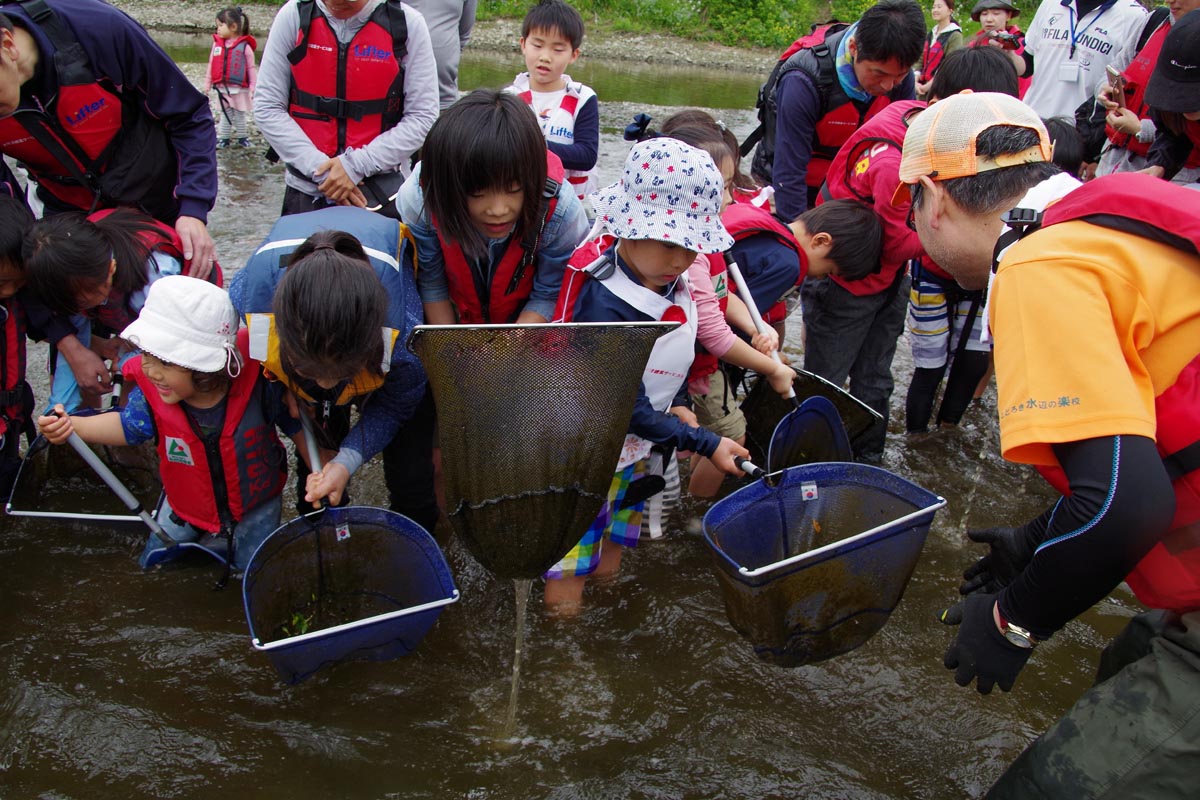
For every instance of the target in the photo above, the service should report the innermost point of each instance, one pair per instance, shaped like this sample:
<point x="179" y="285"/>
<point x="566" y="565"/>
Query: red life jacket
<point x="1169" y="575"/>
<point x="344" y="95"/>
<point x="501" y="300"/>
<point x="116" y="313"/>
<point x="70" y="144"/>
<point x="840" y="116"/>
<point x="744" y="220"/>
<point x="887" y="130"/>
<point x="16" y="399"/>
<point x="934" y="52"/>
<point x="219" y="478"/>
<point x="229" y="65"/>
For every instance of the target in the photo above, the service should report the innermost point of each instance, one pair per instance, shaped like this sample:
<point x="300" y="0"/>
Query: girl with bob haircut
<point x="494" y="219"/>
<point x="94" y="272"/>
<point x="331" y="328"/>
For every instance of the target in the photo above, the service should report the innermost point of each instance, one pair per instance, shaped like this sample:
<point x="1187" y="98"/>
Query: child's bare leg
<point x="610" y="562"/>
<point x="564" y="596"/>
<point x="706" y="478"/>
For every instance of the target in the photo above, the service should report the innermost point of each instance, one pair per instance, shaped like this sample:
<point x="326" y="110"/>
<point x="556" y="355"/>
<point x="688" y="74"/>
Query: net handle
<point x="760" y="324"/>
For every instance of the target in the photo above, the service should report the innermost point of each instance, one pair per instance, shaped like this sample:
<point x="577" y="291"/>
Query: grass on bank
<point x="745" y="23"/>
<point x="753" y="23"/>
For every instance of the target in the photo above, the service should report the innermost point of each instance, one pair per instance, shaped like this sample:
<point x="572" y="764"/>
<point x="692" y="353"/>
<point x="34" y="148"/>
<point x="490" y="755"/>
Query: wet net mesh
<point x="808" y="434"/>
<point x="341" y="566"/>
<point x="764" y="409"/>
<point x="817" y="608"/>
<point x="531" y="420"/>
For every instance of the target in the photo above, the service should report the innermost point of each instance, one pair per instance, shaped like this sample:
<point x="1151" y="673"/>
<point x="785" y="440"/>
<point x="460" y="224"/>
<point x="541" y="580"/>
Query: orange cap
<point x="940" y="143"/>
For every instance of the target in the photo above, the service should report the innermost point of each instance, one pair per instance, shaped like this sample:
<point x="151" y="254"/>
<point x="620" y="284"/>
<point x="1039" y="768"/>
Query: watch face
<point x="1018" y="639"/>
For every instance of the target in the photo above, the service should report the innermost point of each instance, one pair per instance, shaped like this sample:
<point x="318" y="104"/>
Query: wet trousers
<point x="1135" y="733"/>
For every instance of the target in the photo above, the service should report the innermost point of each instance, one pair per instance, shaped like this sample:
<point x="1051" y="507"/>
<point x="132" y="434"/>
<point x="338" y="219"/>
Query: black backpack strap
<point x="1021" y="222"/>
<point x="533" y="237"/>
<point x="305" y="9"/>
<point x="1157" y="18"/>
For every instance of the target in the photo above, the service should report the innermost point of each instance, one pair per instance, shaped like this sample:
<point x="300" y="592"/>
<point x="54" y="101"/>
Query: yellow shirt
<point x="1090" y="325"/>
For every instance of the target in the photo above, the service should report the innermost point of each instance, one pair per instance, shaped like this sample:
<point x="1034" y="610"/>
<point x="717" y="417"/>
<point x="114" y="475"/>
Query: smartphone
<point x="1116" y="82"/>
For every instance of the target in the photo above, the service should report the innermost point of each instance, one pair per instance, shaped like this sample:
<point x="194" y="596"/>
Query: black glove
<point x="1009" y="551"/>
<point x="980" y="652"/>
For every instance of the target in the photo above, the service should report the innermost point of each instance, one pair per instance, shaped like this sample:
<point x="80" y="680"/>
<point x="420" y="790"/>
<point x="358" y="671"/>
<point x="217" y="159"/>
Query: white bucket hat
<point x="669" y="192"/>
<point x="190" y="323"/>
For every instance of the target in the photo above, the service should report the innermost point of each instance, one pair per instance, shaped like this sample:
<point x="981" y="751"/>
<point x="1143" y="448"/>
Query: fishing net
<point x="344" y="584"/>
<point x="810" y="433"/>
<point x="531" y="420"/>
<point x="55" y="483"/>
<point x="812" y="568"/>
<point x="764" y="409"/>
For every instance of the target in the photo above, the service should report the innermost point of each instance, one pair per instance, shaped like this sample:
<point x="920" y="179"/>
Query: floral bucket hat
<point x="669" y="192"/>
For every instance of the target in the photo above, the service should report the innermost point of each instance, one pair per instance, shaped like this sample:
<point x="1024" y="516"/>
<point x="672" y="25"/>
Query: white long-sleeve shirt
<point x="391" y="150"/>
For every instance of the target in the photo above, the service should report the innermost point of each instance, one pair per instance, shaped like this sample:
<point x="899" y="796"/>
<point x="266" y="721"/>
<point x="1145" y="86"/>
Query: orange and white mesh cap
<point x="940" y="143"/>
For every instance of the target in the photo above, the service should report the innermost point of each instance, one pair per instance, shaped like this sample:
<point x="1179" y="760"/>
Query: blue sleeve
<point x="564" y="232"/>
<point x="136" y="420"/>
<point x="583" y="153"/>
<point x="799" y="109"/>
<point x="431" y="273"/>
<point x="770" y="268"/>
<point x="121" y="50"/>
<point x="663" y="428"/>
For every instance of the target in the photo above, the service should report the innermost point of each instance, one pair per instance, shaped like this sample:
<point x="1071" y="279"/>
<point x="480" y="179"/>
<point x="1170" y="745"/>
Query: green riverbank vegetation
<point x="746" y="23"/>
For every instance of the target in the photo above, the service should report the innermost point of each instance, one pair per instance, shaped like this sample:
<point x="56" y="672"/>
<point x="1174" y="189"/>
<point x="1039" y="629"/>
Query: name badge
<point x="1068" y="71"/>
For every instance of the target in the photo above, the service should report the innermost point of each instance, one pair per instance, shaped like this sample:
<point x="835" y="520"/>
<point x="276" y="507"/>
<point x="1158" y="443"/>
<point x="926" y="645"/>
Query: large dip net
<point x="764" y="409"/>
<point x="342" y="584"/>
<point x="813" y="567"/>
<point x="531" y="419"/>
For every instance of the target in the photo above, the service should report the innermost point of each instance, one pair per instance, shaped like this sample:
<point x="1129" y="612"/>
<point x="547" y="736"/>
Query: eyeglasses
<point x="910" y="221"/>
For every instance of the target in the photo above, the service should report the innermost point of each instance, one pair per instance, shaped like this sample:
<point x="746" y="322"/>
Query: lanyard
<point x="1071" y="16"/>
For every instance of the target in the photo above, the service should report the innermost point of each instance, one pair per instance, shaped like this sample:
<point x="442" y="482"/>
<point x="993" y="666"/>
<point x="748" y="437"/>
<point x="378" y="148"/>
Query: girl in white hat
<point x="203" y="400"/>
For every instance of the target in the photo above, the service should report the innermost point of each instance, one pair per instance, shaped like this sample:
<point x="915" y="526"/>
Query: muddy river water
<point x="118" y="684"/>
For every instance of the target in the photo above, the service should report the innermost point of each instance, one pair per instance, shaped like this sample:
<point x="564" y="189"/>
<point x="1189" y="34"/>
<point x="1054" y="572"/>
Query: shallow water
<point x="121" y="684"/>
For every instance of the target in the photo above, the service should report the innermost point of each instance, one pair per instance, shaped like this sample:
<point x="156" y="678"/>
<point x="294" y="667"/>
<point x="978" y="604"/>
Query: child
<point x="664" y="211"/>
<point x="231" y="72"/>
<point x="331" y="329"/>
<point x="93" y="272"/>
<point x="567" y="111"/>
<point x="995" y="30"/>
<point x="200" y="397"/>
<point x="16" y="398"/>
<point x="488" y="207"/>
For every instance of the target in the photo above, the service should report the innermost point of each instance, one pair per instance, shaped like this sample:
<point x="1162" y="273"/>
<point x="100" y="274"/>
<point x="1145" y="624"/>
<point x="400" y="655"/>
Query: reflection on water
<point x="122" y="684"/>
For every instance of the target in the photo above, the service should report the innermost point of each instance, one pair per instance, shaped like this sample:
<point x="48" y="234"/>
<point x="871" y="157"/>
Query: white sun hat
<point x="190" y="323"/>
<point x="669" y="192"/>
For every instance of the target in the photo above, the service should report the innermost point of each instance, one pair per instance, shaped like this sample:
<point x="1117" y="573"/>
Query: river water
<point x="118" y="684"/>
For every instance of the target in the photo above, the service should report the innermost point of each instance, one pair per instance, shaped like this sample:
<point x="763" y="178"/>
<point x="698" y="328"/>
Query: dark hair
<point x="692" y="117"/>
<point x="15" y="222"/>
<point x="5" y="22"/>
<point x="67" y="253"/>
<point x="856" y="233"/>
<point x="891" y="30"/>
<point x="554" y="15"/>
<point x="235" y="18"/>
<point x="949" y="4"/>
<point x="338" y="241"/>
<point x="329" y="308"/>
<point x="1068" y="144"/>
<point x="487" y="140"/>
<point x="980" y="69"/>
<point x="993" y="191"/>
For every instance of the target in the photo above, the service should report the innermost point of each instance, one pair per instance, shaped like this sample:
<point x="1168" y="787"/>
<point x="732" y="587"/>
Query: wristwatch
<point x="1015" y="634"/>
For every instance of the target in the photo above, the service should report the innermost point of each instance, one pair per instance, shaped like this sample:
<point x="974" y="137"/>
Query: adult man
<point x="450" y="23"/>
<point x="1096" y="318"/>
<point x="825" y="91"/>
<point x="1072" y="41"/>
<point x="851" y="327"/>
<point x="100" y="116"/>
<point x="346" y="92"/>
